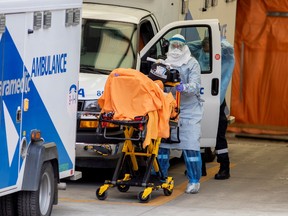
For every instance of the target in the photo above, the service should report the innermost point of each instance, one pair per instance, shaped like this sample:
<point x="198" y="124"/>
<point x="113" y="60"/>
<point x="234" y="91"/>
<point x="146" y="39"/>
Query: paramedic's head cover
<point x="178" y="52"/>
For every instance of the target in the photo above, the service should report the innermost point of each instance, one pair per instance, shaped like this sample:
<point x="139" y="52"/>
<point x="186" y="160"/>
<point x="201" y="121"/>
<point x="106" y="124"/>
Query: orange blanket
<point x="129" y="93"/>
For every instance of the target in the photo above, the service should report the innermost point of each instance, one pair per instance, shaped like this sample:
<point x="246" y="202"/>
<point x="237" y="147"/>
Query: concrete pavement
<point x="258" y="186"/>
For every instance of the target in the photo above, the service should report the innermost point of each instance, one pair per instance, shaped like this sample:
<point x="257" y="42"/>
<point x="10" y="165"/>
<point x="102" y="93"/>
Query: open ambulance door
<point x="12" y="87"/>
<point x="194" y="32"/>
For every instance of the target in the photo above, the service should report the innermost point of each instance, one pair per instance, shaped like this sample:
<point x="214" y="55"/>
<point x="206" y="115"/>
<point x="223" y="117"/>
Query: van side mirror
<point x="165" y="46"/>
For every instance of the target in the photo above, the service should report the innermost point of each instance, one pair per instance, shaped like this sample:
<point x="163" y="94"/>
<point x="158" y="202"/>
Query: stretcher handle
<point x="155" y="60"/>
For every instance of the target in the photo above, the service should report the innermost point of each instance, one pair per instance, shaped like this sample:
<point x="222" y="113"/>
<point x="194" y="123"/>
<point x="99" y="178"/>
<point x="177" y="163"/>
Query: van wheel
<point x="7" y="205"/>
<point x="40" y="202"/>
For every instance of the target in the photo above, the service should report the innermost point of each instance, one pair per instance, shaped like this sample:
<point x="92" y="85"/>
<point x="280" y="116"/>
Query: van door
<point x="11" y="65"/>
<point x="2" y="30"/>
<point x="195" y="33"/>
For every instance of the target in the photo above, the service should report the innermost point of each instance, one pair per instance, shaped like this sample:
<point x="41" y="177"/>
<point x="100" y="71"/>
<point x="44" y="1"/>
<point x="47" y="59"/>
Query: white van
<point x="114" y="36"/>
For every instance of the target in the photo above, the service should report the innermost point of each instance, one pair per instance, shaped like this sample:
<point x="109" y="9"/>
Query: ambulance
<point x="124" y="34"/>
<point x="39" y="62"/>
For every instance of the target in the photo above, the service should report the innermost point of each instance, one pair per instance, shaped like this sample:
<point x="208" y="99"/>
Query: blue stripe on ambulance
<point x="37" y="117"/>
<point x="9" y="148"/>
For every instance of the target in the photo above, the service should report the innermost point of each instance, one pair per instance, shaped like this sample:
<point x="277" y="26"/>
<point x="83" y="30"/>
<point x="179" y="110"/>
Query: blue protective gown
<point x="227" y="66"/>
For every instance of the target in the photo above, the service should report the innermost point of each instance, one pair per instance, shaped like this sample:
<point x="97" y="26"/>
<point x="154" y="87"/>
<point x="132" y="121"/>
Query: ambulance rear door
<point x="194" y="32"/>
<point x="12" y="87"/>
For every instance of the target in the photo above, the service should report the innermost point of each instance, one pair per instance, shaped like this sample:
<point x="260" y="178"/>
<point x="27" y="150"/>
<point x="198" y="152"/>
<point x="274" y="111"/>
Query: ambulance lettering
<point x="100" y="93"/>
<point x="202" y="90"/>
<point x="49" y="65"/>
<point x="81" y="92"/>
<point x="72" y="94"/>
<point x="15" y="86"/>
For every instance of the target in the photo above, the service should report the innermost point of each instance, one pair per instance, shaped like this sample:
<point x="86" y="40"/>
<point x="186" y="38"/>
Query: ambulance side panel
<point x="39" y="81"/>
<point x="53" y="71"/>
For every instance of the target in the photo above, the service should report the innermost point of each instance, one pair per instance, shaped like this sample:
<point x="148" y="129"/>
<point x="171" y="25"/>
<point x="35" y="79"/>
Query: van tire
<point x="7" y="205"/>
<point x="29" y="201"/>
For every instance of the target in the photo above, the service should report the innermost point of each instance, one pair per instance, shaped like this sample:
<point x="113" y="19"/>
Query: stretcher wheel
<point x="167" y="192"/>
<point x="102" y="196"/>
<point x="143" y="200"/>
<point x="123" y="188"/>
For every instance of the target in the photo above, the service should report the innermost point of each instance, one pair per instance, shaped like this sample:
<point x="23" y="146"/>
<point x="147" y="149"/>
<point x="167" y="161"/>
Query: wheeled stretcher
<point x="138" y="164"/>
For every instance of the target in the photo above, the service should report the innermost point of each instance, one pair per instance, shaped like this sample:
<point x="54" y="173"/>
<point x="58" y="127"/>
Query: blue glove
<point x="180" y="87"/>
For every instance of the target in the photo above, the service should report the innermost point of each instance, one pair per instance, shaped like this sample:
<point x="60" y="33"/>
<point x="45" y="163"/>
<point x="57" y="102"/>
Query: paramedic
<point x="200" y="50"/>
<point x="227" y="66"/>
<point x="204" y="55"/>
<point x="179" y="57"/>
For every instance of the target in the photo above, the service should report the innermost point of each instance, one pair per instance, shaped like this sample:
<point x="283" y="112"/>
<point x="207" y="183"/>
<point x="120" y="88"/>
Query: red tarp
<point x="259" y="98"/>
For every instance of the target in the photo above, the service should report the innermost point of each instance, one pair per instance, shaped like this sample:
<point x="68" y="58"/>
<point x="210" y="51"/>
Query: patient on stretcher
<point x="129" y="93"/>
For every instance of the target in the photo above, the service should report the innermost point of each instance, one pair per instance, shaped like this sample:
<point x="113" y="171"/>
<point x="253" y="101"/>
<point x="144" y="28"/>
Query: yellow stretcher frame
<point x="129" y="155"/>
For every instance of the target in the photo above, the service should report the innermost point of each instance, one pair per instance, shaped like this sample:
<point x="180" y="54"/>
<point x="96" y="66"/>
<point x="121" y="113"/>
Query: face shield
<point x="176" y="44"/>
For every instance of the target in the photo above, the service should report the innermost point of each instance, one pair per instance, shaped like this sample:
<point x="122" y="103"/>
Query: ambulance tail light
<point x="35" y="136"/>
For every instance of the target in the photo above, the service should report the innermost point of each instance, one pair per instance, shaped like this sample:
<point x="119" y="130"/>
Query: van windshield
<point x="106" y="45"/>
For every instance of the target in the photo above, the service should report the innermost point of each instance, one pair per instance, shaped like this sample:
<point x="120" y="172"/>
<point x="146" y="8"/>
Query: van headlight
<point x="88" y="113"/>
<point x="91" y="106"/>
